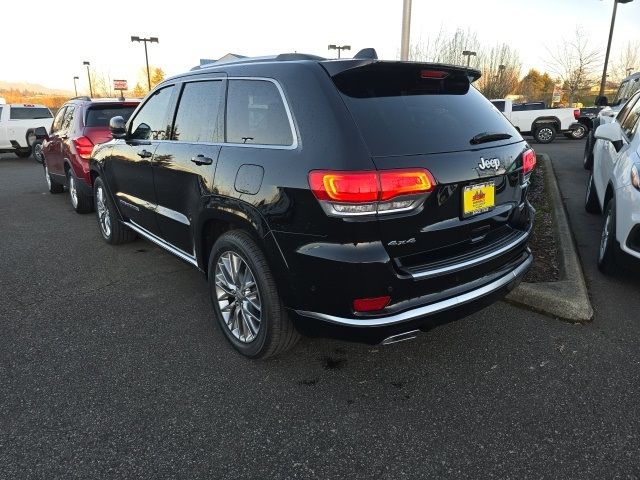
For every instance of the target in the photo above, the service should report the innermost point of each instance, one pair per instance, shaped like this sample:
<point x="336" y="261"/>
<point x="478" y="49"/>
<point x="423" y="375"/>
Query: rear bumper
<point x="422" y="318"/>
<point x="507" y="281"/>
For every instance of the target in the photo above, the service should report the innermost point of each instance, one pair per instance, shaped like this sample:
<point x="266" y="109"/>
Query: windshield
<point x="100" y="116"/>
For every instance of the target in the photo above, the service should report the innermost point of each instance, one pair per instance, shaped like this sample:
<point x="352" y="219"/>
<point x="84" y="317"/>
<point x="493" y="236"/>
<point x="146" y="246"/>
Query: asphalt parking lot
<point x="111" y="367"/>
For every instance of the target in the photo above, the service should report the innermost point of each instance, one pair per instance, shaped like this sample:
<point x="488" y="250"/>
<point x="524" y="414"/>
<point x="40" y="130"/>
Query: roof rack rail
<point x="81" y="97"/>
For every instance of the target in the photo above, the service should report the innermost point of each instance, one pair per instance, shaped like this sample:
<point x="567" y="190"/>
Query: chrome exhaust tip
<point x="401" y="337"/>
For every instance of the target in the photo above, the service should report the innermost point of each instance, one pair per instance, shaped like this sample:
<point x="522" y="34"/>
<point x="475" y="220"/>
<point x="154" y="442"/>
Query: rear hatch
<point x="97" y="116"/>
<point x="430" y="116"/>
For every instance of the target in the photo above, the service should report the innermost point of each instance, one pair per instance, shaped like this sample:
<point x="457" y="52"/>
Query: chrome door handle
<point x="145" y="154"/>
<point x="201" y="160"/>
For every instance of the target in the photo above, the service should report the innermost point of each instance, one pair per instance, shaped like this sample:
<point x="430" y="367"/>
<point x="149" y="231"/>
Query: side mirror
<point x="41" y="133"/>
<point x="118" y="127"/>
<point x="601" y="101"/>
<point x="610" y="132"/>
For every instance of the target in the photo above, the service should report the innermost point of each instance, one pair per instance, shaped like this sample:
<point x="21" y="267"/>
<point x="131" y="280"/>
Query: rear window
<point x="100" y="116"/>
<point x="29" y="113"/>
<point x="401" y="113"/>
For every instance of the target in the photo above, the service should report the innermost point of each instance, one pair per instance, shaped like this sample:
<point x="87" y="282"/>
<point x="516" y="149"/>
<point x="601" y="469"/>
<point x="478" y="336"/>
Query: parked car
<point x="360" y="198"/>
<point x="543" y="123"/>
<point x="17" y="123"/>
<point x="66" y="148"/>
<point x="614" y="187"/>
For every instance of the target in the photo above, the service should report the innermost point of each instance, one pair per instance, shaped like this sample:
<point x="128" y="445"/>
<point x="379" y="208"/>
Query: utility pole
<point x="89" y="77"/>
<point x="469" y="54"/>
<point x="146" y="55"/>
<point x="339" y="48"/>
<point x="406" y="30"/>
<point x="75" y="87"/>
<point x="606" y="57"/>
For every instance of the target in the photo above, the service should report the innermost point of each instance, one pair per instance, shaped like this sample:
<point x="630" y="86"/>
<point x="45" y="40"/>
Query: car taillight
<point x="576" y="113"/>
<point x="83" y="147"/>
<point x="367" y="193"/>
<point x="370" y="304"/>
<point x="433" y="74"/>
<point x="528" y="161"/>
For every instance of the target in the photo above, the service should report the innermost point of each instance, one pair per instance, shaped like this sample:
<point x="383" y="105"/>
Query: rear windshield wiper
<point x="486" y="137"/>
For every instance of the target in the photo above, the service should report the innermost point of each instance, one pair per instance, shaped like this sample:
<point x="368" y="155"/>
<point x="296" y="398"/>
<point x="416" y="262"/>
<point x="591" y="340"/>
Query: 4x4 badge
<point x="487" y="163"/>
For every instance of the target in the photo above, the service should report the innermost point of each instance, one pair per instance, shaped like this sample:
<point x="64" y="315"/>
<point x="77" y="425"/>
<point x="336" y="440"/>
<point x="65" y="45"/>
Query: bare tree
<point x="576" y="63"/>
<point x="446" y="47"/>
<point x="500" y="68"/>
<point x="102" y="84"/>
<point x="627" y="62"/>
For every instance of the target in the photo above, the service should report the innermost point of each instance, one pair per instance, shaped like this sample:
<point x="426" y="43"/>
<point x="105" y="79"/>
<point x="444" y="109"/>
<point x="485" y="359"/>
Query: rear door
<point x="184" y="167"/>
<point x="129" y="170"/>
<point x="52" y="148"/>
<point x="416" y="117"/>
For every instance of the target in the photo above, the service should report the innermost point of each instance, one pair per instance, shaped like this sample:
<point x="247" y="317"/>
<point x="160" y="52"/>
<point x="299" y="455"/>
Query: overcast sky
<point x="48" y="44"/>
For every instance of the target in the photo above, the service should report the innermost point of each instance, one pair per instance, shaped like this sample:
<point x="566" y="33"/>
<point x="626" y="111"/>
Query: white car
<point x="17" y="123"/>
<point x="614" y="186"/>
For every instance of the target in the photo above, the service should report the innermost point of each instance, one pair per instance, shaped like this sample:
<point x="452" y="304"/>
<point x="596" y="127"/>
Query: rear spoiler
<point x="336" y="67"/>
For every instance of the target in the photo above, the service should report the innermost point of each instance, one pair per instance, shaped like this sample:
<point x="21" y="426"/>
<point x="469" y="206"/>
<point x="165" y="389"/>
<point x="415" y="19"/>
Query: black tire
<point x="609" y="250"/>
<point x="52" y="185"/>
<point x="545" y="133"/>
<point x="276" y="332"/>
<point x="587" y="159"/>
<point x="80" y="202"/>
<point x="117" y="233"/>
<point x="38" y="153"/>
<point x="23" y="153"/>
<point x="591" y="204"/>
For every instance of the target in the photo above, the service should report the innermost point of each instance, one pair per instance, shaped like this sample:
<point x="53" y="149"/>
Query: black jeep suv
<point x="358" y="197"/>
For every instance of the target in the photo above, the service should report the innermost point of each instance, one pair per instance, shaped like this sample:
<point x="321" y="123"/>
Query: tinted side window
<point x="198" y="119"/>
<point x="29" y="113"/>
<point x="57" y="122"/>
<point x="256" y="114"/>
<point x="151" y="121"/>
<point x="630" y="123"/>
<point x="499" y="105"/>
<point x="622" y="114"/>
<point x="67" y="120"/>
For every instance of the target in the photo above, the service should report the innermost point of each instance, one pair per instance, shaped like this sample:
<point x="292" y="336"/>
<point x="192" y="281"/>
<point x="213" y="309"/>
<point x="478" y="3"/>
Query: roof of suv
<point x="332" y="66"/>
<point x="89" y="100"/>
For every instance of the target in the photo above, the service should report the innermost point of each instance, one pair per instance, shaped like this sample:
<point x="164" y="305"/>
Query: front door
<point x="129" y="170"/>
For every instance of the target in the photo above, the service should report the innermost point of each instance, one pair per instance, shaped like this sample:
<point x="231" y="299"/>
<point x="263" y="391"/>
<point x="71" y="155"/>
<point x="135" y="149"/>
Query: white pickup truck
<point x="541" y="122"/>
<point x="17" y="123"/>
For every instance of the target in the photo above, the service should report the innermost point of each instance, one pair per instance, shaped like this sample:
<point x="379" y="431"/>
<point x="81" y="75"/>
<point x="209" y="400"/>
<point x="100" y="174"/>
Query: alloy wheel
<point x="545" y="134"/>
<point x="47" y="177"/>
<point x="238" y="297"/>
<point x="73" y="192"/>
<point x="606" y="232"/>
<point x="37" y="152"/>
<point x="578" y="133"/>
<point x="103" y="213"/>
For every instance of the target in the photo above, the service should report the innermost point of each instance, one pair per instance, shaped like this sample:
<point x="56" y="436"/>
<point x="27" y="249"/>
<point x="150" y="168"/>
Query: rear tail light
<point x="370" y="304"/>
<point x="369" y="192"/>
<point x="576" y="113"/>
<point x="528" y="161"/>
<point x="83" y="147"/>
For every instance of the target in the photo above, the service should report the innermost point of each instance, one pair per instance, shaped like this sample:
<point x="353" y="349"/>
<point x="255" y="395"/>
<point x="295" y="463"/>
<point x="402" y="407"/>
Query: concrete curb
<point x="567" y="298"/>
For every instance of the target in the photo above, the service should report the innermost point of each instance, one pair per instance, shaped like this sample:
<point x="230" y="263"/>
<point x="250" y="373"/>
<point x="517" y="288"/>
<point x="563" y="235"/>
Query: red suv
<point x="80" y="124"/>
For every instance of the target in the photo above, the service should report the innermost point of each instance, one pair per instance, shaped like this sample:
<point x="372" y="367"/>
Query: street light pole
<point x="406" y="30"/>
<point x="89" y="77"/>
<point x="606" y="57"/>
<point x="75" y="87"/>
<point x="146" y="55"/>
<point x="339" y="48"/>
<point x="469" y="54"/>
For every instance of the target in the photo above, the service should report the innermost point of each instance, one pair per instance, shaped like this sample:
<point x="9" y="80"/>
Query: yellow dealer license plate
<point x="478" y="198"/>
